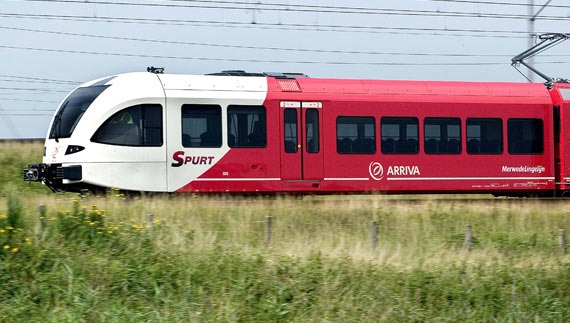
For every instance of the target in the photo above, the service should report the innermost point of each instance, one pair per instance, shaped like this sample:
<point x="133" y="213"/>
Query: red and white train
<point x="286" y="133"/>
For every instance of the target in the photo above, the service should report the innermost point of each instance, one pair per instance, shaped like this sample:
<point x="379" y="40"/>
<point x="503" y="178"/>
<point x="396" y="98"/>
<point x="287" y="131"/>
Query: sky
<point x="50" y="47"/>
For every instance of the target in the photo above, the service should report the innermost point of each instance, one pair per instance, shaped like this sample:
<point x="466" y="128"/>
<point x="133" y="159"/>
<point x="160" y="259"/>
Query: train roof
<point x="439" y="88"/>
<point x="296" y="82"/>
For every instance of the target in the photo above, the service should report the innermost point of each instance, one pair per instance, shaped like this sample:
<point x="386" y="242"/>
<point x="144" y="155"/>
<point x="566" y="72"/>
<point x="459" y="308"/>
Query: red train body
<point x="405" y="122"/>
<point x="291" y="134"/>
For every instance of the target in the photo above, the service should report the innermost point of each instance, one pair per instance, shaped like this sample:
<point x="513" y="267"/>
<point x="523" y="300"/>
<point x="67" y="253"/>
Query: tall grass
<point x="205" y="258"/>
<point x="15" y="156"/>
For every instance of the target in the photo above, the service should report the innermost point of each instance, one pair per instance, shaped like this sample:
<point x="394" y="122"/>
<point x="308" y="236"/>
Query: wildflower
<point x="14" y="250"/>
<point x="9" y="228"/>
<point x="7" y="246"/>
<point x="3" y="216"/>
<point x="2" y="230"/>
<point x="157" y="221"/>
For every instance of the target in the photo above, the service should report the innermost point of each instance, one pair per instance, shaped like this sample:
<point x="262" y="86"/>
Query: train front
<point x="79" y="138"/>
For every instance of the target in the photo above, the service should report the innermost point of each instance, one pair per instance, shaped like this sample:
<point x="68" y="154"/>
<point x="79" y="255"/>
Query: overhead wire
<point x="275" y="61"/>
<point x="39" y="80"/>
<point x="312" y="50"/>
<point x="458" y="32"/>
<point x="281" y="7"/>
<point x="500" y="3"/>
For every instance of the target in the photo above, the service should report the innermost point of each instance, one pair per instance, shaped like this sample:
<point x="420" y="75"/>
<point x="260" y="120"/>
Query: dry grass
<point x="420" y="233"/>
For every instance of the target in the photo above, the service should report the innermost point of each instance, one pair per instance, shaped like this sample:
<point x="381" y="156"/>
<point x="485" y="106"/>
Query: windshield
<point x="72" y="110"/>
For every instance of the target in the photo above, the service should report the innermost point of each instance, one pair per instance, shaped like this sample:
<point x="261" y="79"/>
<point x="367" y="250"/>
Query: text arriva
<point x="403" y="170"/>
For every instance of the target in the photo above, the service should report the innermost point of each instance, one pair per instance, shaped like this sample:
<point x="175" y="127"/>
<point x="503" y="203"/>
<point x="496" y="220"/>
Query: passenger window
<point x="399" y="135"/>
<point x="484" y="136"/>
<point x="247" y="126"/>
<point x="201" y="126"/>
<point x="290" y="124"/>
<point x="139" y="125"/>
<point x="525" y="136"/>
<point x="312" y="122"/>
<point x="355" y="135"/>
<point x="442" y="136"/>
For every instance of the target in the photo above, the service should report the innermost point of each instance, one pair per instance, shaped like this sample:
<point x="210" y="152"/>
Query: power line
<point x="20" y="114"/>
<point x="281" y="7"/>
<point x="29" y="100"/>
<point x="280" y="26"/>
<point x="498" y="3"/>
<point x="40" y="80"/>
<point x="32" y="89"/>
<point x="251" y="47"/>
<point x="275" y="61"/>
<point x="259" y="60"/>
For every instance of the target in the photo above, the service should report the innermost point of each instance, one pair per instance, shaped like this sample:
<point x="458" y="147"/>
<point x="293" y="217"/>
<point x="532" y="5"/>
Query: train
<point x="274" y="133"/>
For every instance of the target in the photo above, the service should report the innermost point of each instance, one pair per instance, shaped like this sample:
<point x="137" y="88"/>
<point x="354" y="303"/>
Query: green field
<point x="206" y="258"/>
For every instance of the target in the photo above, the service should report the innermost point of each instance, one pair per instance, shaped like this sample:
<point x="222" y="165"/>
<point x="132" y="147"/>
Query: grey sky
<point x="49" y="47"/>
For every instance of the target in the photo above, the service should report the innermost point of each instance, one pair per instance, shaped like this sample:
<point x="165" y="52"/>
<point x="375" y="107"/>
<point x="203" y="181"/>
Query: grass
<point x="205" y="258"/>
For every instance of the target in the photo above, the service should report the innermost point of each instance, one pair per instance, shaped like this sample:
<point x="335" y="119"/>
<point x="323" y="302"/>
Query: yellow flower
<point x="14" y="250"/>
<point x="3" y="216"/>
<point x="156" y="221"/>
<point x="9" y="228"/>
<point x="2" y="230"/>
<point x="7" y="246"/>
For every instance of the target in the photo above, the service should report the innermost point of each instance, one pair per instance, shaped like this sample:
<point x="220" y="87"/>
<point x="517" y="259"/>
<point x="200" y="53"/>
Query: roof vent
<point x="267" y="74"/>
<point x="289" y="85"/>
<point x="236" y="73"/>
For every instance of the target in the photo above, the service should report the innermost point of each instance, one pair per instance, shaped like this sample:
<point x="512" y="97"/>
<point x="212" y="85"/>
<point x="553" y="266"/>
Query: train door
<point x="565" y="139"/>
<point x="562" y="141"/>
<point x="301" y="141"/>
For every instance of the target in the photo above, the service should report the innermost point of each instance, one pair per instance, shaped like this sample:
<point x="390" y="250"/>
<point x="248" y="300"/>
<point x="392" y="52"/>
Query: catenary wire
<point x="231" y="5"/>
<point x="460" y="32"/>
<point x="251" y="47"/>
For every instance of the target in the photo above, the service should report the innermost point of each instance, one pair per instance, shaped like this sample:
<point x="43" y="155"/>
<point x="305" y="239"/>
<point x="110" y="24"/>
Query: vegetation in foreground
<point x="208" y="259"/>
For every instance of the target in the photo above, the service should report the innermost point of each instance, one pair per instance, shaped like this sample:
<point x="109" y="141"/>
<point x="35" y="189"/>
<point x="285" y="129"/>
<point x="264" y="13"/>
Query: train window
<point x="399" y="135"/>
<point x="355" y="135"/>
<point x="290" y="123"/>
<point x="201" y="125"/>
<point x="312" y="122"/>
<point x="247" y="126"/>
<point x="73" y="109"/>
<point x="442" y="136"/>
<point x="525" y="136"/>
<point x="139" y="125"/>
<point x="484" y="136"/>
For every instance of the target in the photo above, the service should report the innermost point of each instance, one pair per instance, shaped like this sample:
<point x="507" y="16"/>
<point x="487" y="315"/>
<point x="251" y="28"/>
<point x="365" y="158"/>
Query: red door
<point x="301" y="141"/>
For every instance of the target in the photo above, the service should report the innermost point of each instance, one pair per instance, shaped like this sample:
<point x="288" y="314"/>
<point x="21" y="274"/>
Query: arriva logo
<point x="376" y="170"/>
<point x="403" y="170"/>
